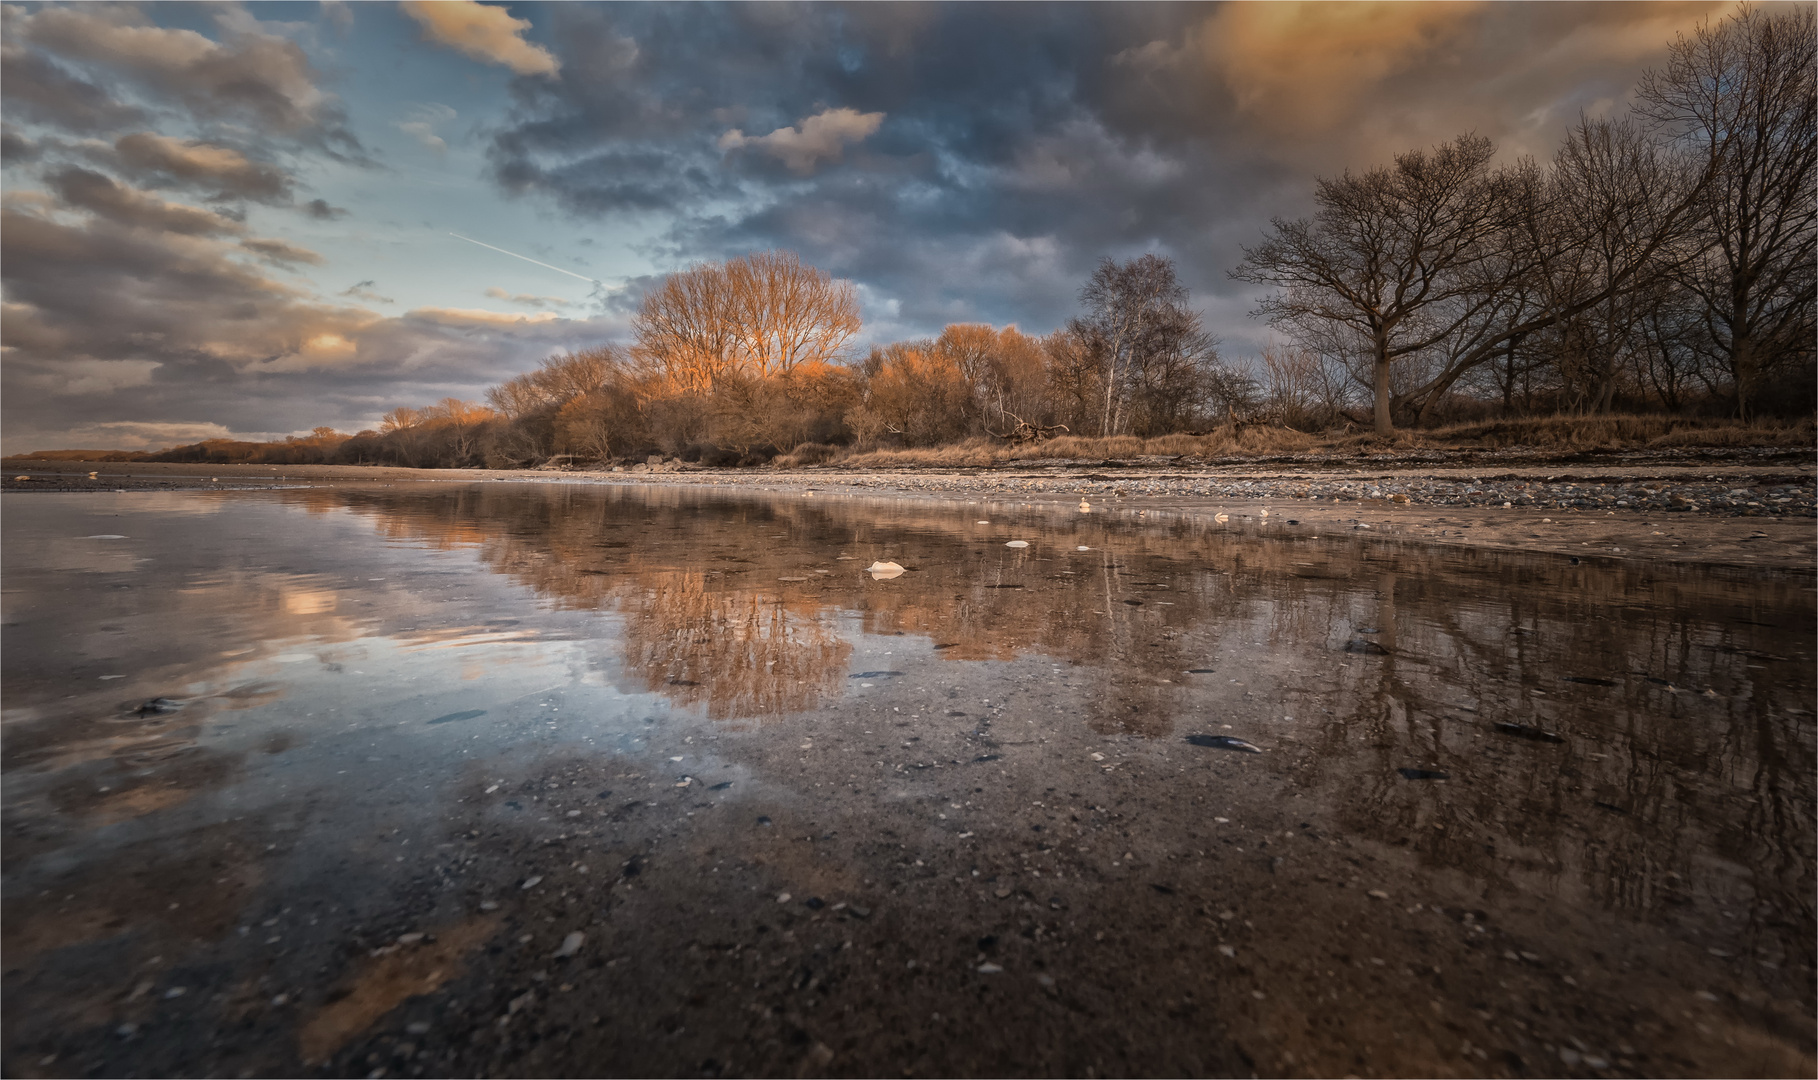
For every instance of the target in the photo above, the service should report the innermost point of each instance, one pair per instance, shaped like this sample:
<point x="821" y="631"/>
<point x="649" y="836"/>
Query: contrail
<point x="526" y="258"/>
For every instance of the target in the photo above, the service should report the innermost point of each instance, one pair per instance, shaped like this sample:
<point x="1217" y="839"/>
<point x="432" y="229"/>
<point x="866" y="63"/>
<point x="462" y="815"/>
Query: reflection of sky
<point x="381" y="653"/>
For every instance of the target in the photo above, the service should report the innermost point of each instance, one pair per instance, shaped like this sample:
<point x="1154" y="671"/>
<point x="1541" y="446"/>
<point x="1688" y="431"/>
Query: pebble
<point x="989" y="969"/>
<point x="419" y="1027"/>
<point x="571" y="944"/>
<point x="1378" y="894"/>
<point x="531" y="882"/>
<point x="1567" y="488"/>
<point x="410" y="939"/>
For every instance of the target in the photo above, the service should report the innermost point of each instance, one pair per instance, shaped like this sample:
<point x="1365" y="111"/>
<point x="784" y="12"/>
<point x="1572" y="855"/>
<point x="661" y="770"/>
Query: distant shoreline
<point x="1697" y="513"/>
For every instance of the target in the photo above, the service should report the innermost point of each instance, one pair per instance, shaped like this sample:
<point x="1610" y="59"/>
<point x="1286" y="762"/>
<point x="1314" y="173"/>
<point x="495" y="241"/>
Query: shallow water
<point x="1585" y="794"/>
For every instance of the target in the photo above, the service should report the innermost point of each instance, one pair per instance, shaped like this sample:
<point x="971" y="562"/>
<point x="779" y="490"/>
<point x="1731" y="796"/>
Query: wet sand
<point x="1742" y="535"/>
<point x="328" y="778"/>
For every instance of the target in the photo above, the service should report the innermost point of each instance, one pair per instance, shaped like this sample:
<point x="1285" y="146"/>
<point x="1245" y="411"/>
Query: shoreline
<point x="1748" y="516"/>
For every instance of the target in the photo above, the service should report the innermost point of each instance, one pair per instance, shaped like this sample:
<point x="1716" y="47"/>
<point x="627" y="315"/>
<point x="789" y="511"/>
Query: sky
<point x="248" y="220"/>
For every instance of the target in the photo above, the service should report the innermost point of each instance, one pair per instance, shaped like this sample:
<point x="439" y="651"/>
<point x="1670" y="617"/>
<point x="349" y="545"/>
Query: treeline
<point x="1660" y="262"/>
<point x="1667" y="257"/>
<point x="739" y="362"/>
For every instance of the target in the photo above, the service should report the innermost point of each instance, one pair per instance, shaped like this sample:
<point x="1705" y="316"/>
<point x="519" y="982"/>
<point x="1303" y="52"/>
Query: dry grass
<point x="1247" y="440"/>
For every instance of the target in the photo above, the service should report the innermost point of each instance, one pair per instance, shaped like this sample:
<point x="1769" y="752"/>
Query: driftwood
<point x="1025" y="432"/>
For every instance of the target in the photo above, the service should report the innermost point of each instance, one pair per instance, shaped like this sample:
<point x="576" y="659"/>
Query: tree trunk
<point x="1385" y="425"/>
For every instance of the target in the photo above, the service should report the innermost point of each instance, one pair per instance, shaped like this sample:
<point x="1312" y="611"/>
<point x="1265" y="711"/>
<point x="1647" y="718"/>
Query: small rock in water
<point x="1225" y="742"/>
<point x="570" y="944"/>
<point x="1533" y="734"/>
<point x="468" y="714"/>
<point x="1424" y="774"/>
<point x="1368" y="648"/>
<point x="531" y="882"/>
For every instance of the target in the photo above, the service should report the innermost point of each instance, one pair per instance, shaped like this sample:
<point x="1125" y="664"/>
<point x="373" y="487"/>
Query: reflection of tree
<point x="742" y="652"/>
<point x="1658" y="795"/>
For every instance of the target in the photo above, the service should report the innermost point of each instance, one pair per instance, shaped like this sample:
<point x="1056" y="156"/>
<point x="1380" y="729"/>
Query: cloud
<point x="444" y="316"/>
<point x="527" y="299"/>
<point x="1306" y="64"/>
<point x="250" y="78"/>
<point x="423" y="122"/>
<point x="364" y="291"/>
<point x="88" y="190"/>
<point x="224" y="172"/>
<point x="483" y="32"/>
<point x="321" y="211"/>
<point x="109" y="319"/>
<point x="280" y="251"/>
<point x="821" y="137"/>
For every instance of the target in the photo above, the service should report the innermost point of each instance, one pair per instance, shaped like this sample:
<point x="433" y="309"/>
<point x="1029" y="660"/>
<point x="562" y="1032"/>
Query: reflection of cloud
<point x="821" y="137"/>
<point x="482" y="31"/>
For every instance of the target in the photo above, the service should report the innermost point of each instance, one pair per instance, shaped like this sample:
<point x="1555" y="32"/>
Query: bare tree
<point x="1150" y="349"/>
<point x="1741" y="98"/>
<point x="758" y="316"/>
<point x="1405" y="256"/>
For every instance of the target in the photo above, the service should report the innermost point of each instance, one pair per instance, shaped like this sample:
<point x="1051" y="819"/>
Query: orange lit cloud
<point x="484" y="32"/>
<point x="821" y="137"/>
<point x="1305" y="63"/>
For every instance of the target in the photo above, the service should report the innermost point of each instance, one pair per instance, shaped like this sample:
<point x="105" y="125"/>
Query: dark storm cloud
<point x="1020" y="143"/>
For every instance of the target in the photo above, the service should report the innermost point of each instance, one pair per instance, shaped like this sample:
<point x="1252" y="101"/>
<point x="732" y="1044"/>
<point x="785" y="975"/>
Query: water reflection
<point x="343" y="664"/>
<point x="1682" y="696"/>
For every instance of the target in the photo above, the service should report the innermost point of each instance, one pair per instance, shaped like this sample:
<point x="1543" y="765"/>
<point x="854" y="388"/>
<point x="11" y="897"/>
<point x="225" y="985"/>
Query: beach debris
<point x="1533" y="734"/>
<point x="1221" y="518"/>
<point x="1082" y="547"/>
<point x="1424" y="774"/>
<point x="884" y="570"/>
<point x="1225" y="742"/>
<point x="468" y="714"/>
<point x="570" y="945"/>
<point x="99" y="536"/>
<point x="1017" y="544"/>
<point x="1085" y="507"/>
<point x="1367" y="648"/>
